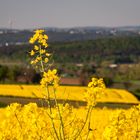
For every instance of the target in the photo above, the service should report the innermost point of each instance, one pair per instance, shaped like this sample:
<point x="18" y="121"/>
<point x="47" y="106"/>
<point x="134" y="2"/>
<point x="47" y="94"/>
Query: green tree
<point x="3" y="73"/>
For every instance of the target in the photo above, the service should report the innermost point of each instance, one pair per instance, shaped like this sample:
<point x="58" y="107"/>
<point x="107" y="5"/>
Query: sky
<point x="25" y="14"/>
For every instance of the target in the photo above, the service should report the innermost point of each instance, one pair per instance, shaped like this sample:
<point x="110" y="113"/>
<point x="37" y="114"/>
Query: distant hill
<point x="17" y="37"/>
<point x="116" y="49"/>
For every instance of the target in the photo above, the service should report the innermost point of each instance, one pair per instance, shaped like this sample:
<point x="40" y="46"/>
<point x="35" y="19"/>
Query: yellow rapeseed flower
<point x="36" y="47"/>
<point x="31" y="41"/>
<point x="45" y="37"/>
<point x="95" y="89"/>
<point x="48" y="54"/>
<point x="38" y="58"/>
<point x="39" y="31"/>
<point x="32" y="52"/>
<point x="42" y="51"/>
<point x="46" y="60"/>
<point x="50" y="78"/>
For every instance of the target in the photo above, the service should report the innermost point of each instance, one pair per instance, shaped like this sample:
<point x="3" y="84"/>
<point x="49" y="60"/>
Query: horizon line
<point x="68" y="27"/>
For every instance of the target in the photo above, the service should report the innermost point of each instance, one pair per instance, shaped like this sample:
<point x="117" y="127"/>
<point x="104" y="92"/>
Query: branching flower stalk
<point x="41" y="57"/>
<point x="86" y="119"/>
<point x="95" y="89"/>
<point x="50" y="108"/>
<point x="60" y="116"/>
<point x="49" y="80"/>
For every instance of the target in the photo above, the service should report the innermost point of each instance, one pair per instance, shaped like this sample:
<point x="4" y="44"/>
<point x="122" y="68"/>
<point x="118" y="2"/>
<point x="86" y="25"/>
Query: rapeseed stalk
<point x="50" y="79"/>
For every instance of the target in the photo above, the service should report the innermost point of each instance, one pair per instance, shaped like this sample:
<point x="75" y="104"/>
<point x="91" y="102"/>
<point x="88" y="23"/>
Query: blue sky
<point x="68" y="13"/>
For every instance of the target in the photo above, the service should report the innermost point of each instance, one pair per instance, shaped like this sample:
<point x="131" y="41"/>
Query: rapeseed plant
<point x="124" y="125"/>
<point x="50" y="78"/>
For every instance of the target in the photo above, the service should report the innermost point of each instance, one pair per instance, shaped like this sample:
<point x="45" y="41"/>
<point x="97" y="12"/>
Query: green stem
<point x="41" y="61"/>
<point x="89" y="122"/>
<point x="60" y="116"/>
<point x="49" y="100"/>
<point x="52" y="120"/>
<point x="79" y="132"/>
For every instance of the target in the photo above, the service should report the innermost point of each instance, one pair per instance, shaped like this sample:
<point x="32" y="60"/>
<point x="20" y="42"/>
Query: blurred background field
<point x="72" y="94"/>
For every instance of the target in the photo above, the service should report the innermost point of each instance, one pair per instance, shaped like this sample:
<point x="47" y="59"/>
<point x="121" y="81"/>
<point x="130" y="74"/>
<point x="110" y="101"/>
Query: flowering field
<point x="106" y="124"/>
<point x="67" y="92"/>
<point x="98" y="124"/>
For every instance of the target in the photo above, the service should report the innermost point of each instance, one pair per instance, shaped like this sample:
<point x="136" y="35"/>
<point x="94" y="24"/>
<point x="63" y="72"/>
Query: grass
<point x="3" y="105"/>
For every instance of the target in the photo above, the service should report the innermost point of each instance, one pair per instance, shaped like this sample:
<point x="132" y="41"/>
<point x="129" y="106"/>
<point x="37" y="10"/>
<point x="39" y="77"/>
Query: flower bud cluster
<point x="124" y="125"/>
<point x="39" y="53"/>
<point x="95" y="89"/>
<point x="50" y="78"/>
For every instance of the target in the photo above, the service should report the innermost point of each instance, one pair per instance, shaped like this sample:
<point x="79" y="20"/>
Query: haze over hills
<point x="17" y="37"/>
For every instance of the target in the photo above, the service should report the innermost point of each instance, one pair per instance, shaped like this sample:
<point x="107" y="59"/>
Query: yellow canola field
<point x="103" y="122"/>
<point x="99" y="120"/>
<point x="67" y="92"/>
